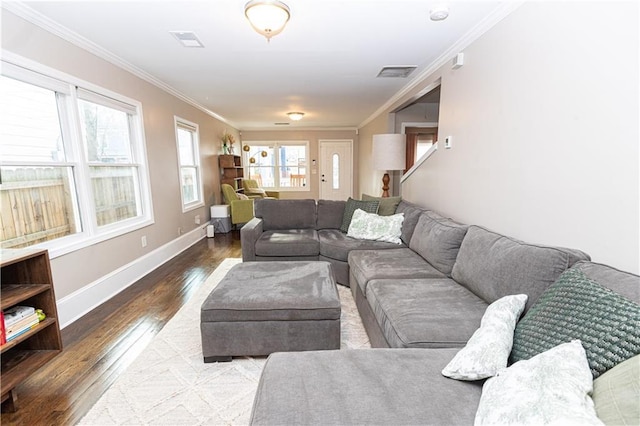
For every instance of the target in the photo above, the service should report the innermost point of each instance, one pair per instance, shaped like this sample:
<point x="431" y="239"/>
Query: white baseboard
<point x="82" y="301"/>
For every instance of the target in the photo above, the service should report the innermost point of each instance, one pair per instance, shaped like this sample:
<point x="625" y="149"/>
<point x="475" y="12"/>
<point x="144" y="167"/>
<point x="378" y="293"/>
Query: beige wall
<point x="80" y="268"/>
<point x="544" y="117"/>
<point x="313" y="137"/>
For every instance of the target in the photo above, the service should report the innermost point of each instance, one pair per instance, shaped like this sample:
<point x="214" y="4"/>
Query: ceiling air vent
<point x="396" y="71"/>
<point x="281" y="124"/>
<point x="187" y="38"/>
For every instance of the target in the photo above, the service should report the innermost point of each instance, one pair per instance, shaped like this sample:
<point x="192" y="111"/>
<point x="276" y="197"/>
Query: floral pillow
<point x="487" y="351"/>
<point x="370" y="226"/>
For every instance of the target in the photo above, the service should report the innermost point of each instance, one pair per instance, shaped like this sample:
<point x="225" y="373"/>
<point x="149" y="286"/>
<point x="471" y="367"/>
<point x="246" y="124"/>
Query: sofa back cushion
<point x="330" y="214"/>
<point x="286" y="214"/>
<point x="437" y="240"/>
<point x="493" y="265"/>
<point x="411" y="215"/>
<point x="624" y="283"/>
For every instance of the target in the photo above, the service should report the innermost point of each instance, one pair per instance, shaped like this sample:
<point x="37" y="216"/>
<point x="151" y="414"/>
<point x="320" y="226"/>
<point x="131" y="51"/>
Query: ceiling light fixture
<point x="267" y="17"/>
<point x="295" y="115"/>
<point x="439" y="13"/>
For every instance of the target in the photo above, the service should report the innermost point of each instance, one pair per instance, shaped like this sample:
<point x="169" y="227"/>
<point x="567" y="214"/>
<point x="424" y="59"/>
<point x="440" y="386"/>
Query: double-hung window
<point x="72" y="162"/>
<point x="278" y="165"/>
<point x="189" y="163"/>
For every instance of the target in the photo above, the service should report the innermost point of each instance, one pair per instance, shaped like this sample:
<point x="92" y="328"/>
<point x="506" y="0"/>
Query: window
<point x="189" y="163"/>
<point x="283" y="167"/>
<point x="72" y="163"/>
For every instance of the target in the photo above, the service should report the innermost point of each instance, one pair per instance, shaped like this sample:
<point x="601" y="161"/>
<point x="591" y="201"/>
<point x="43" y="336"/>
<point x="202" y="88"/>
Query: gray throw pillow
<point x="576" y="307"/>
<point x="351" y="206"/>
<point x="388" y="205"/>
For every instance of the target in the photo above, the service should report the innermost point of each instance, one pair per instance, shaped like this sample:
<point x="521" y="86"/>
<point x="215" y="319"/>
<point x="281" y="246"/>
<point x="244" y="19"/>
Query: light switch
<point x="447" y="142"/>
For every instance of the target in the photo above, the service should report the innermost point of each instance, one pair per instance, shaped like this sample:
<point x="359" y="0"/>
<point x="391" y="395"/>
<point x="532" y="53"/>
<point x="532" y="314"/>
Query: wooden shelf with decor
<point x="231" y="171"/>
<point x="26" y="279"/>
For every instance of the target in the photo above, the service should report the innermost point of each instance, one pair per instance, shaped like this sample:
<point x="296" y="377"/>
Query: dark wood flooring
<point x="98" y="347"/>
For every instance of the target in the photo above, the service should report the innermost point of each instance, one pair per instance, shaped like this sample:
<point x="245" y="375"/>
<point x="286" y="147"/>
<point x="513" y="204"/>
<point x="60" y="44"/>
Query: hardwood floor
<point x="100" y="345"/>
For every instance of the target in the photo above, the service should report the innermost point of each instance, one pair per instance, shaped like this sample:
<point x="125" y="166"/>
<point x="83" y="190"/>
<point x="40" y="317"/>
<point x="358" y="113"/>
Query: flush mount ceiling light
<point x="267" y="17"/>
<point x="295" y="115"/>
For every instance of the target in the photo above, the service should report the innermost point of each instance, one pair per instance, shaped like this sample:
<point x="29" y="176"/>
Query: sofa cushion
<point x="370" y="226"/>
<point x="388" y="205"/>
<point x="550" y="388"/>
<point x="411" y="215"/>
<point x="286" y="214"/>
<point x="623" y="283"/>
<point x="336" y="245"/>
<point x="576" y="307"/>
<point x="616" y="394"/>
<point x="330" y="214"/>
<point x="288" y="242"/>
<point x="487" y="351"/>
<point x="362" y="387"/>
<point x="425" y="313"/>
<point x="438" y="240"/>
<point x="351" y="206"/>
<point x="397" y="263"/>
<point x="492" y="265"/>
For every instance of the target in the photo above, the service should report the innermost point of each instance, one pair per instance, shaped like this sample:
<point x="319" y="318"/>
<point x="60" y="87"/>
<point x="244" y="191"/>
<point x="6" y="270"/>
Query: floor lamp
<point x="389" y="151"/>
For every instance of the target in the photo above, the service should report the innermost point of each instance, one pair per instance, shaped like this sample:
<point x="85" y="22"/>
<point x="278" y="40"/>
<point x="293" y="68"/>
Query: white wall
<point x="544" y="117"/>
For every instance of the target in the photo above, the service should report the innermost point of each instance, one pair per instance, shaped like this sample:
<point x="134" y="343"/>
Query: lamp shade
<point x="389" y="151"/>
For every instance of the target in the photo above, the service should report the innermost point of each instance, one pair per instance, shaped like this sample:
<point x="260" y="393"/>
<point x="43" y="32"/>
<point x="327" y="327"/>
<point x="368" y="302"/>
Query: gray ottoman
<point x="264" y="307"/>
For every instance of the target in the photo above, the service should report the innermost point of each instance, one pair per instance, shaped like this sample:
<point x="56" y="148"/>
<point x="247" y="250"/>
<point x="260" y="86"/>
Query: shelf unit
<point x="231" y="171"/>
<point x="26" y="279"/>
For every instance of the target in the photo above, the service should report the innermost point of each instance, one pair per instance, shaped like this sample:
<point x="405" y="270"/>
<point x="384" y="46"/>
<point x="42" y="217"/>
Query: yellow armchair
<point x="241" y="210"/>
<point x="253" y="190"/>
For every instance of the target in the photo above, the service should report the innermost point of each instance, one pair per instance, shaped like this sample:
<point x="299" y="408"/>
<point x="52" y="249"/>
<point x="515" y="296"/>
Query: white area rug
<point x="169" y="384"/>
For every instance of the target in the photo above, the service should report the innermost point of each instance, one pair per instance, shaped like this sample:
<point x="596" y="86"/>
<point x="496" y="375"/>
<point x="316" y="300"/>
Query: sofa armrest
<point x="274" y="194"/>
<point x="249" y="235"/>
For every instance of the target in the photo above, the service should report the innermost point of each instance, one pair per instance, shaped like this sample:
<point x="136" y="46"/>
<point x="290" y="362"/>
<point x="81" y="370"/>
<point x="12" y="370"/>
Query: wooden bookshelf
<point x="26" y="279"/>
<point x="231" y="171"/>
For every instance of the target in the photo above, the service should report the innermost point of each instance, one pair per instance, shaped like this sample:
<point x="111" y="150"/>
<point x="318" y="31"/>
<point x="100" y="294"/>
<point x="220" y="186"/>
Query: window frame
<point x="194" y="128"/>
<point x="276" y="145"/>
<point x="66" y="87"/>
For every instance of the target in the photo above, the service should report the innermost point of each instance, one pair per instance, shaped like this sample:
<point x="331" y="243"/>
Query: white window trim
<point x="279" y="143"/>
<point x="181" y="122"/>
<point x="16" y="66"/>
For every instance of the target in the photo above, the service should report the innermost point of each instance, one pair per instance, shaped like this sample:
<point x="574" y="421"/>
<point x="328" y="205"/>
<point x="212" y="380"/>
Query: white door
<point x="336" y="169"/>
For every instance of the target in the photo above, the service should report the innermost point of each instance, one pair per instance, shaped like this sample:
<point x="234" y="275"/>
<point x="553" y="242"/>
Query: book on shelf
<point x="25" y="322"/>
<point x="16" y="313"/>
<point x="24" y="330"/>
<point x="3" y="335"/>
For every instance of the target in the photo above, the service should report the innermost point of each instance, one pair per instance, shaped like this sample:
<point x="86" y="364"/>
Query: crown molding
<point x="20" y="9"/>
<point x="501" y="12"/>
<point x="298" y="129"/>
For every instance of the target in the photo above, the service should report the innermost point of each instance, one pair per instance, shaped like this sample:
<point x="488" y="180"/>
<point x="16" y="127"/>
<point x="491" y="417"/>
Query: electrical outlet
<point x="143" y="240"/>
<point x="197" y="219"/>
<point x="448" y="141"/>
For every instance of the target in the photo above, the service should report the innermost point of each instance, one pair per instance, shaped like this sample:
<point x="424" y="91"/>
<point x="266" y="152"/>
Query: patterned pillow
<point x="351" y="206"/>
<point x="370" y="226"/>
<point x="550" y="388"/>
<point x="576" y="307"/>
<point x="487" y="351"/>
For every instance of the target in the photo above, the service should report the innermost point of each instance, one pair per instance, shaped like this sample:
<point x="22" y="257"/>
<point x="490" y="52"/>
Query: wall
<point x="79" y="269"/>
<point x="544" y="117"/>
<point x="313" y="136"/>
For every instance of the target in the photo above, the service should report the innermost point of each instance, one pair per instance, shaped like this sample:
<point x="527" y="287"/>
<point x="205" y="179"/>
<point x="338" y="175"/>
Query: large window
<point x="72" y="164"/>
<point x="189" y="163"/>
<point x="278" y="165"/>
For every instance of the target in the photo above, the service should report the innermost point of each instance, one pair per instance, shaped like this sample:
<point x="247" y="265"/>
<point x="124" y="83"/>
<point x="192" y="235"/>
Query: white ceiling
<point x="324" y="63"/>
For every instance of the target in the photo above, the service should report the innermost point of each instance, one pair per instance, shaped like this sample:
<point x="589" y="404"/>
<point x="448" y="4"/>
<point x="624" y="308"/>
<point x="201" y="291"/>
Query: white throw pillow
<point x="487" y="351"/>
<point x="370" y="226"/>
<point x="551" y="388"/>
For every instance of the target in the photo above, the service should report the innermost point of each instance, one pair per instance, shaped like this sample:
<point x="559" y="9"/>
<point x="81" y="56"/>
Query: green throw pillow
<point x="353" y="205"/>
<point x="388" y="205"/>
<point x="576" y="307"/>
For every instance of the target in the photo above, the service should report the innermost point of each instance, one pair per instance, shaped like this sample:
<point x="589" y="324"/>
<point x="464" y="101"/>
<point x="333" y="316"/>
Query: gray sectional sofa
<point x="420" y="302"/>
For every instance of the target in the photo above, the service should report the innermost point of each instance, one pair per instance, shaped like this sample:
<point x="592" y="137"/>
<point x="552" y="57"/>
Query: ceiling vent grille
<point x="187" y="38"/>
<point x="396" y="71"/>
